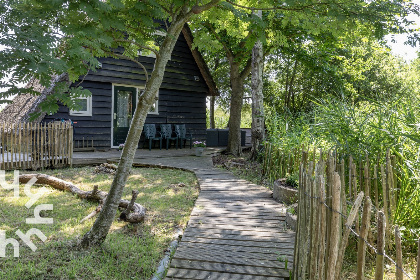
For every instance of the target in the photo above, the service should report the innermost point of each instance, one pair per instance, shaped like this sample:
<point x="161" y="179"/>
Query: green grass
<point x="129" y="252"/>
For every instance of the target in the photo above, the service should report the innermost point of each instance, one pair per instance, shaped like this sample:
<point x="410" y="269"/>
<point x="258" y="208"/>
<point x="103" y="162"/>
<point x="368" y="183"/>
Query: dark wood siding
<point x="182" y="99"/>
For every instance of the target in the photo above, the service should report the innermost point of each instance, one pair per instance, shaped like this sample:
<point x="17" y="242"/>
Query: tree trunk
<point x="291" y="91"/>
<point x="237" y="85"/>
<point x="257" y="126"/>
<point x="213" y="98"/>
<point x="102" y="224"/>
<point x="212" y="101"/>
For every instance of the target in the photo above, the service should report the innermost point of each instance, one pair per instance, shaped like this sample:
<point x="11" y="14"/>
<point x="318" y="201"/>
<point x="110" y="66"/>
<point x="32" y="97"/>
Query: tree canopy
<point x="46" y="38"/>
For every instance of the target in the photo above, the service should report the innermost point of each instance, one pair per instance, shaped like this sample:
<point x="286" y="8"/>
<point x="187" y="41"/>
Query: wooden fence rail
<point x="35" y="145"/>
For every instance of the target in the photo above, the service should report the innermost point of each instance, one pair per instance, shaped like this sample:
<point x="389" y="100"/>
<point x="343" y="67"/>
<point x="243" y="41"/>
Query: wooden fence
<point x="324" y="220"/>
<point x="35" y="145"/>
<point x="379" y="178"/>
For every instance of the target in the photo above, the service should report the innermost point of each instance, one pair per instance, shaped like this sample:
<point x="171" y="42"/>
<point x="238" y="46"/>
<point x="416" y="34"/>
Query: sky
<point x="399" y="48"/>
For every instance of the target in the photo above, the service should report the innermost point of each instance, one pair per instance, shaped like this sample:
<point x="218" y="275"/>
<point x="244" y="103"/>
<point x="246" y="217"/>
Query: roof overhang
<point x="202" y="65"/>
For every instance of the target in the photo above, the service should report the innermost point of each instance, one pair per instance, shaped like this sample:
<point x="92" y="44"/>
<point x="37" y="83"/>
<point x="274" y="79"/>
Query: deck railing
<point x="36" y="145"/>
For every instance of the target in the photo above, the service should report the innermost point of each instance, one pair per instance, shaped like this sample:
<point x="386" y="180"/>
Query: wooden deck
<point x="236" y="231"/>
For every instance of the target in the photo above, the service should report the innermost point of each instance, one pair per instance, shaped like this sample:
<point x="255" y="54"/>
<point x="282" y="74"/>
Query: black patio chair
<point x="152" y="135"/>
<point x="183" y="136"/>
<point x="167" y="134"/>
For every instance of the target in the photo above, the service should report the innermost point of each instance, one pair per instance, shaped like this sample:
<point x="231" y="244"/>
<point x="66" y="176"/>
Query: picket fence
<point x="36" y="145"/>
<point x="327" y="189"/>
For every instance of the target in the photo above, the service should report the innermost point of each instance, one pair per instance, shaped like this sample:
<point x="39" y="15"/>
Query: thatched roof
<point x="25" y="104"/>
<point x="15" y="112"/>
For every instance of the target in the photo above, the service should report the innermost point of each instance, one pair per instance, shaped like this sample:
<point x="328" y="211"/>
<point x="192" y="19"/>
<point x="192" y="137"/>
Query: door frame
<point x="138" y="89"/>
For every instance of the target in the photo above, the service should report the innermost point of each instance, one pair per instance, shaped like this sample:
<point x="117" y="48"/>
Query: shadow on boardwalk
<point x="236" y="229"/>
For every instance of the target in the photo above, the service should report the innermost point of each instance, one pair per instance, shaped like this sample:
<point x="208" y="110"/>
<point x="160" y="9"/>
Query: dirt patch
<point x="241" y="166"/>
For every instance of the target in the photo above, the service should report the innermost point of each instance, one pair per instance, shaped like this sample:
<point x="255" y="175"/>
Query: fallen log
<point x="133" y="214"/>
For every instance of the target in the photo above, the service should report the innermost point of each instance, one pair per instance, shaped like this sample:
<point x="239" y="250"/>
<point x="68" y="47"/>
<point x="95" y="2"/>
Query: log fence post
<point x="399" y="275"/>
<point x="335" y="227"/>
<point x="379" y="272"/>
<point x="361" y="247"/>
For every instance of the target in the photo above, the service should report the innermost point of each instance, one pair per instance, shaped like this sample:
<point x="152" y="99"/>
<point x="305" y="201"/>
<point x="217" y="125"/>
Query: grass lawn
<point x="129" y="252"/>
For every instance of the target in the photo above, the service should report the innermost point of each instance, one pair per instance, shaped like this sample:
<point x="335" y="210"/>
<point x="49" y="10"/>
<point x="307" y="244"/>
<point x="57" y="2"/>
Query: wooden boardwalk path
<point x="236" y="232"/>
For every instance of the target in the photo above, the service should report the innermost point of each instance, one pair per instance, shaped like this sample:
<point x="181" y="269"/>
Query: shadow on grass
<point x="128" y="252"/>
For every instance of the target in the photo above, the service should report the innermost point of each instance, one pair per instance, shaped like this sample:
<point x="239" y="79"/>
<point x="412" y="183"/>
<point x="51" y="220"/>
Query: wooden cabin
<point x="105" y="115"/>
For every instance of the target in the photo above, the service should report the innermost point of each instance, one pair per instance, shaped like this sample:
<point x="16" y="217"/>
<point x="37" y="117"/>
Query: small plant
<point x="120" y="147"/>
<point x="282" y="258"/>
<point x="199" y="144"/>
<point x="292" y="180"/>
<point x="291" y="210"/>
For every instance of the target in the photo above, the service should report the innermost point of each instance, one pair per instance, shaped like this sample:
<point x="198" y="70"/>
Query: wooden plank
<point x="252" y="259"/>
<point x="49" y="143"/>
<point x="46" y="145"/>
<point x="211" y="275"/>
<point x="229" y="187"/>
<point x="253" y="228"/>
<point x="239" y="209"/>
<point x="55" y="137"/>
<point x="257" y="202"/>
<point x="23" y="144"/>
<point x="264" y="252"/>
<point x="41" y="130"/>
<point x="234" y="195"/>
<point x="38" y="145"/>
<point x="244" y="219"/>
<point x="61" y="154"/>
<point x="237" y="222"/>
<point x="20" y="145"/>
<point x="3" y="147"/>
<point x="273" y="243"/>
<point x="7" y="146"/>
<point x="232" y="214"/>
<point x="238" y="235"/>
<point x="12" y="145"/>
<point x="226" y="268"/>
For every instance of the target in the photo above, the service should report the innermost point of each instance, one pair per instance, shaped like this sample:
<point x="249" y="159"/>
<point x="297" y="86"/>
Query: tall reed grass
<point x="367" y="128"/>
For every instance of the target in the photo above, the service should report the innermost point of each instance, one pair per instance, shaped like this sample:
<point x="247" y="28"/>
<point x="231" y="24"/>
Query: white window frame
<point x="88" y="112"/>
<point x="156" y="111"/>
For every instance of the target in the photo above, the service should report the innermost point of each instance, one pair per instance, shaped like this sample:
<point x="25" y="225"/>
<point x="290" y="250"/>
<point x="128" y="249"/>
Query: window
<point x="84" y="105"/>
<point x="154" y="110"/>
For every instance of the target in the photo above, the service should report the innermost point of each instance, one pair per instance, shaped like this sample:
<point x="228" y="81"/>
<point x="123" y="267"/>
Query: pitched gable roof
<point x="25" y="104"/>
<point x="204" y="69"/>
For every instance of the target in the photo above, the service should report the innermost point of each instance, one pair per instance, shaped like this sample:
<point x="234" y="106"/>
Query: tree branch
<point x="277" y="8"/>
<point x="247" y="69"/>
<point x="138" y="45"/>
<point x="229" y="53"/>
<point x="199" y="9"/>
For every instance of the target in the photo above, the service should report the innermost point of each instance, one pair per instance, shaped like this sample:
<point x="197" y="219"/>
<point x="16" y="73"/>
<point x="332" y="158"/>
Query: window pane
<point x="82" y="105"/>
<point x="124" y="108"/>
<point x="153" y="108"/>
